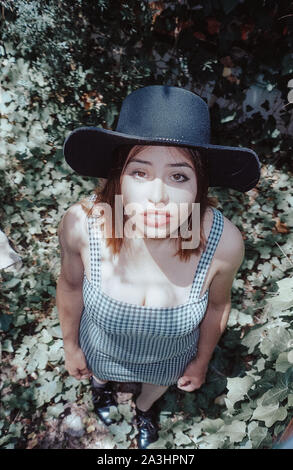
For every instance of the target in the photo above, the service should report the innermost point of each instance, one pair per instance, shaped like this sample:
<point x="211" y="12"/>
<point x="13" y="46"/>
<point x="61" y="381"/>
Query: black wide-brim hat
<point x="162" y="115"/>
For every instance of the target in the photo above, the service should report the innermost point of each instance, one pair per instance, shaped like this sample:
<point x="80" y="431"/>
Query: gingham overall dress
<point x="124" y="342"/>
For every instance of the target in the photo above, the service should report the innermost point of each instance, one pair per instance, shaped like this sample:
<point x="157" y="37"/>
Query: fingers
<point x="81" y="374"/>
<point x="187" y="384"/>
<point x="188" y="388"/>
<point x="85" y="372"/>
<point x="183" y="381"/>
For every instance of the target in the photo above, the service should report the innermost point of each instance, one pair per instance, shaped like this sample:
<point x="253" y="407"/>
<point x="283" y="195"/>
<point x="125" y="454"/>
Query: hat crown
<point x="168" y="112"/>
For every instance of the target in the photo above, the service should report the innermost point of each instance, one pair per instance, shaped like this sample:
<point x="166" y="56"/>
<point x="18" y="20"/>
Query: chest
<point x="150" y="286"/>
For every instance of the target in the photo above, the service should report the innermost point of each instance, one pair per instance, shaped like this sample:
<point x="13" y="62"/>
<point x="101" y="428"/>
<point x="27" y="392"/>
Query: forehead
<point x="166" y="152"/>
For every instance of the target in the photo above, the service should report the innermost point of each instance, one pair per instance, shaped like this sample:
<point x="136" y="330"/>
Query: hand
<point x="193" y="376"/>
<point x="75" y="363"/>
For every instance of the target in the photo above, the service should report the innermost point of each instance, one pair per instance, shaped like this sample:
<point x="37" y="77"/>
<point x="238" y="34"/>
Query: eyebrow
<point x="169" y="164"/>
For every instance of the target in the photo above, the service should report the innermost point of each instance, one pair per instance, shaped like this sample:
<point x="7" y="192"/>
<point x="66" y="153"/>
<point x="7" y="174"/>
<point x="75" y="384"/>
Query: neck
<point x="141" y="250"/>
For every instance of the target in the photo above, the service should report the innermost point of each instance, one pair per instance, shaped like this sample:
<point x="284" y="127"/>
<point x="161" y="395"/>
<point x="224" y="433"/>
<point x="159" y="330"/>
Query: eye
<point x="180" y="176"/>
<point x="135" y="172"/>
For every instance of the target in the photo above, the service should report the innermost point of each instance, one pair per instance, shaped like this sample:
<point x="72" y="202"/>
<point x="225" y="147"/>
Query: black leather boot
<point x="103" y="398"/>
<point x="147" y="424"/>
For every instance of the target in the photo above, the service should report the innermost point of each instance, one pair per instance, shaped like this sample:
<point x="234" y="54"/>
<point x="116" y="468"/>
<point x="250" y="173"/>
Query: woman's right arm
<point x="69" y="298"/>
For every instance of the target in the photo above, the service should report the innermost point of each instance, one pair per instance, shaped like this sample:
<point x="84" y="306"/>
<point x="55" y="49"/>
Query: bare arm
<point x="69" y="299"/>
<point x="217" y="314"/>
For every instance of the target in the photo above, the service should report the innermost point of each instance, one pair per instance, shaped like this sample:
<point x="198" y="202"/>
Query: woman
<point x="149" y="307"/>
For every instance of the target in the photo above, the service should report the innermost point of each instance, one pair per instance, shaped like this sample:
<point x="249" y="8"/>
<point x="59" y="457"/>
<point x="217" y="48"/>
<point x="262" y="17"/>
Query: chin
<point x="156" y="233"/>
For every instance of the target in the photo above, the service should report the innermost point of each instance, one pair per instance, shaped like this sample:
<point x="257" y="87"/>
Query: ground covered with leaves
<point x="247" y="399"/>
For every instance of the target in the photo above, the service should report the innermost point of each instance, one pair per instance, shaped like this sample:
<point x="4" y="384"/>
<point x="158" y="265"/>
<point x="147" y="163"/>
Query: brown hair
<point x="112" y="187"/>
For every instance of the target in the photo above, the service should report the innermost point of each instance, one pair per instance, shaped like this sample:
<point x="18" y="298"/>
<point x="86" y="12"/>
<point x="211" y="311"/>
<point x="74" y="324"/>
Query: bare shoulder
<point x="231" y="246"/>
<point x="72" y="230"/>
<point x="73" y="227"/>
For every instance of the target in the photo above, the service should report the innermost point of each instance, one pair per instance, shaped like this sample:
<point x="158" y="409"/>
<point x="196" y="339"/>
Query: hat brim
<point x="89" y="152"/>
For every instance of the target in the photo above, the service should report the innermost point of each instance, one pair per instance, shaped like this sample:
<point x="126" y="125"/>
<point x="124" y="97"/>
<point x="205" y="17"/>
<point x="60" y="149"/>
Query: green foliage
<point x="71" y="64"/>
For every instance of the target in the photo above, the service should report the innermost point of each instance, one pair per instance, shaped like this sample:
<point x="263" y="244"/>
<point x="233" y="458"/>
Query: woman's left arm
<point x="217" y="314"/>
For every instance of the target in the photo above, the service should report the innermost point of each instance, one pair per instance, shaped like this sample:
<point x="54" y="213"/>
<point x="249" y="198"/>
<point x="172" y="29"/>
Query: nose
<point x="158" y="192"/>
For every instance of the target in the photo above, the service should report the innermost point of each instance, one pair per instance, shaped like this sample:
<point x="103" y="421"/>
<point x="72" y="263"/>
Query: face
<point x="158" y="178"/>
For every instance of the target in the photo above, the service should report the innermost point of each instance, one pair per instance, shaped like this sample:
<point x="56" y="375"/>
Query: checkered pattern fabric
<point x="125" y="342"/>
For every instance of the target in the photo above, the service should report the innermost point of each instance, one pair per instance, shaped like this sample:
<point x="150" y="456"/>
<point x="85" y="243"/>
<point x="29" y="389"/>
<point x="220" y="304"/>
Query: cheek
<point x="185" y="194"/>
<point x="182" y="199"/>
<point x="130" y="191"/>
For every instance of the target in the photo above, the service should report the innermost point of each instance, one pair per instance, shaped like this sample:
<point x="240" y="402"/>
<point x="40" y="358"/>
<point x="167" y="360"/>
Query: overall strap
<point x="94" y="247"/>
<point x="207" y="255"/>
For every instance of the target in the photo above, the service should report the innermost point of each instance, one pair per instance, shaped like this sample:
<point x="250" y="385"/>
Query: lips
<point x="156" y="218"/>
<point x="157" y="213"/>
